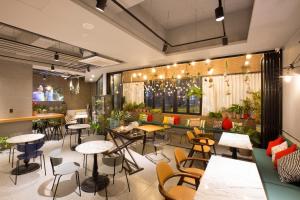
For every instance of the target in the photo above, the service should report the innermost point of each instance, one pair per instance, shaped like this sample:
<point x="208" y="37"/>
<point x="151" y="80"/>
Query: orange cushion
<point x="273" y="143"/>
<point x="285" y="152"/>
<point x="176" y="120"/>
<point x="149" y="118"/>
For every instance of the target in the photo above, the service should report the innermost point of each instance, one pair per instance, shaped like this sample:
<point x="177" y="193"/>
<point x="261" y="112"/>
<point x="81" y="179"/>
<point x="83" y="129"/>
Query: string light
<point x="207" y="61"/>
<point x="153" y="70"/>
<point x="134" y="75"/>
<point x="248" y="56"/>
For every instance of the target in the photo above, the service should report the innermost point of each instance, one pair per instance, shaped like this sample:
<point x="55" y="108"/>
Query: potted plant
<point x="3" y="143"/>
<point x="118" y="118"/>
<point x="256" y="101"/>
<point x="195" y="91"/>
<point x="247" y="108"/>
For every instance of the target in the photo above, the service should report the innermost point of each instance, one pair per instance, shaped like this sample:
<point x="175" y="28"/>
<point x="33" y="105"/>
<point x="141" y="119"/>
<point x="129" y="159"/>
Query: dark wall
<point x="79" y="101"/>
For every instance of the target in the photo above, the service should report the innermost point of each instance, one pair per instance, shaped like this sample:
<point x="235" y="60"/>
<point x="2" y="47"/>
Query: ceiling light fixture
<point x="247" y="63"/>
<point x="145" y="77"/>
<point x="168" y="66"/>
<point x="139" y="74"/>
<point x="56" y="56"/>
<point x="178" y="76"/>
<point x="193" y="63"/>
<point x="219" y="12"/>
<point x="153" y="70"/>
<point x="93" y="76"/>
<point x="210" y="71"/>
<point x="225" y="40"/>
<point x="207" y="61"/>
<point x="248" y="56"/>
<point x="52" y="68"/>
<point x="134" y="75"/>
<point x="165" y="47"/>
<point x="175" y="65"/>
<point x="100" y="5"/>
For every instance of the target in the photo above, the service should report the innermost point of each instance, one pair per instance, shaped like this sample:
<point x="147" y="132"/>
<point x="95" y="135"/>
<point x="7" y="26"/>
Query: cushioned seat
<point x="66" y="168"/>
<point x="208" y="142"/>
<point x="275" y="189"/>
<point x="182" y="193"/>
<point x="205" y="148"/>
<point x="195" y="171"/>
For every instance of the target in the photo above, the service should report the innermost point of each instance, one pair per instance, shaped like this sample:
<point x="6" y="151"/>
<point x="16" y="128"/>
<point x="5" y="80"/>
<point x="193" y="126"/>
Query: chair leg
<point x="41" y="163"/>
<point x="214" y="147"/>
<point x="106" y="193"/>
<point x="16" y="178"/>
<point x="53" y="183"/>
<point x="113" y="178"/>
<point x="44" y="164"/>
<point x="78" y="182"/>
<point x="127" y="180"/>
<point x="70" y="139"/>
<point x="56" y="186"/>
<point x="9" y="154"/>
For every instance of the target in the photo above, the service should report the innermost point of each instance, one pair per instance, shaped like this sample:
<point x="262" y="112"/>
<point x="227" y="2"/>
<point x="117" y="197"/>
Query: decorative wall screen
<point x="223" y="91"/>
<point x="134" y="92"/>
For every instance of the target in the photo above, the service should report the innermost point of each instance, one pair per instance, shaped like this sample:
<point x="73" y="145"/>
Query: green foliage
<point x="247" y="105"/>
<point x="195" y="91"/>
<point x="252" y="133"/>
<point x="217" y="115"/>
<point x="256" y="101"/>
<point x="155" y="110"/>
<point x="236" y="108"/>
<point x="130" y="107"/>
<point x="120" y="115"/>
<point x="3" y="143"/>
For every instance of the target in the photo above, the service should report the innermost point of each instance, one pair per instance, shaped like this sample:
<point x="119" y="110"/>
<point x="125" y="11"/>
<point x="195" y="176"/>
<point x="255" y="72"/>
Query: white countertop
<point x="229" y="179"/>
<point x="25" y="138"/>
<point x="235" y="140"/>
<point x="79" y="126"/>
<point x="94" y="147"/>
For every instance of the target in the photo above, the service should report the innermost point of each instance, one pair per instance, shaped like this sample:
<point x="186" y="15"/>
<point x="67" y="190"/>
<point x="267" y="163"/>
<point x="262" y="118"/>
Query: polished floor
<point x="36" y="186"/>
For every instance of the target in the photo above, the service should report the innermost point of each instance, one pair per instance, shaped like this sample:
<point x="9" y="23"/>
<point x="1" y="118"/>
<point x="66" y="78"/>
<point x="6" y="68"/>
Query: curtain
<point x="133" y="92"/>
<point x="271" y="123"/>
<point x="223" y="91"/>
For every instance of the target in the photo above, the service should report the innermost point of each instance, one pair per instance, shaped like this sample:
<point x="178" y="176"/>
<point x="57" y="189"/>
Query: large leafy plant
<point x="195" y="91"/>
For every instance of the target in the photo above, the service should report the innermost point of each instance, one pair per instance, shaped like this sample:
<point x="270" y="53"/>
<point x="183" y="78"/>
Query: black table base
<point x="23" y="169"/>
<point x="92" y="184"/>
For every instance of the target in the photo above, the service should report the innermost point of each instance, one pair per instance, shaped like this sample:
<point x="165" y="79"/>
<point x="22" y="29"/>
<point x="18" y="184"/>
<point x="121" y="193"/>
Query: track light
<point x="100" y="5"/>
<point x="219" y="12"/>
<point x="56" y="56"/>
<point x="88" y="69"/>
<point x="44" y="77"/>
<point x="165" y="47"/>
<point x="52" y="68"/>
<point x="225" y="40"/>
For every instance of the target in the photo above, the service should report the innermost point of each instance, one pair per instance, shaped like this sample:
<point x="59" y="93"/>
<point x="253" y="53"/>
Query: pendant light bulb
<point x="219" y="12"/>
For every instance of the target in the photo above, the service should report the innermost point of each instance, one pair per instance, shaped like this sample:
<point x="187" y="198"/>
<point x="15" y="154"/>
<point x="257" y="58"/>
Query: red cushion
<point x="176" y="120"/>
<point x="227" y="124"/>
<point x="149" y="118"/>
<point x="273" y="143"/>
<point x="285" y="152"/>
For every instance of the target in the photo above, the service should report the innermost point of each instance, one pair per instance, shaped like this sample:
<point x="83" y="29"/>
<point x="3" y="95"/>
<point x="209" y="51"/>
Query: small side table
<point x="79" y="128"/>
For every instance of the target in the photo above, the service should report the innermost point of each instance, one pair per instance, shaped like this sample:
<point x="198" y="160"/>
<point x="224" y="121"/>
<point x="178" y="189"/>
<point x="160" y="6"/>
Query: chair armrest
<point x="199" y="159"/>
<point x="185" y="175"/>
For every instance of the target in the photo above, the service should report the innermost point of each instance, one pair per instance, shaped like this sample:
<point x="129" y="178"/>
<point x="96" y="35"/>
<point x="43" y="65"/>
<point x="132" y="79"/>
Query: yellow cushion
<point x="182" y="193"/>
<point x="207" y="142"/>
<point x="168" y="120"/>
<point x="203" y="148"/>
<point x="194" y="171"/>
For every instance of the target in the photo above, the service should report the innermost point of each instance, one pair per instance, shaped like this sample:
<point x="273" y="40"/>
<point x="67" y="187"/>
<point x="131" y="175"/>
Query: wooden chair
<point x="164" y="173"/>
<point x="206" y="138"/>
<point x="197" y="146"/>
<point x="181" y="158"/>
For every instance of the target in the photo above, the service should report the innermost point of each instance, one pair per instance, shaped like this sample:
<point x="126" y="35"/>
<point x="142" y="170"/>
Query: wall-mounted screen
<point x="47" y="93"/>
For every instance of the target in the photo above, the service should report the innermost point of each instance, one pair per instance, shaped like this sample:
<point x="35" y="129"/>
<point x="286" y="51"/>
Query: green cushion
<point x="275" y="189"/>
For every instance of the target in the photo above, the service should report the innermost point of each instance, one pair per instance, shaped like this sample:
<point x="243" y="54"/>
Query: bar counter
<point x="31" y="118"/>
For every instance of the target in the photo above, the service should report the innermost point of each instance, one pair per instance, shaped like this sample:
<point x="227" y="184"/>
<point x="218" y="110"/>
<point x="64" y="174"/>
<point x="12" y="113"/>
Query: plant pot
<point x="245" y="152"/>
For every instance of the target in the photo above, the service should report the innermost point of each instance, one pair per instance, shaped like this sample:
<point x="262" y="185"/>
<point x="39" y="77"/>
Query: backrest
<point x="30" y="147"/>
<point x="179" y="156"/>
<point x="202" y="123"/>
<point x="197" y="131"/>
<point x="55" y="158"/>
<point x="163" y="172"/>
<point x="115" y="163"/>
<point x="190" y="135"/>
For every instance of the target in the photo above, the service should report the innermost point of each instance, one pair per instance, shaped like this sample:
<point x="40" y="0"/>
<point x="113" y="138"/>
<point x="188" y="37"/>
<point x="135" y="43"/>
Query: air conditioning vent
<point x="99" y="61"/>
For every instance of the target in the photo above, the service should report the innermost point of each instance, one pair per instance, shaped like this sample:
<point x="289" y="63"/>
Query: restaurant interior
<point x="149" y="99"/>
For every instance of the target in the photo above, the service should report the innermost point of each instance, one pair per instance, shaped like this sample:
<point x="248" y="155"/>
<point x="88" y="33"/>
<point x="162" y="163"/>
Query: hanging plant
<point x="195" y="91"/>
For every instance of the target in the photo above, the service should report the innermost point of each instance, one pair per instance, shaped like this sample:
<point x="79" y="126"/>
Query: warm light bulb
<point x="145" y="77"/>
<point x="153" y="70"/>
<point x="178" y="76"/>
<point x="175" y="65"/>
<point x="134" y="75"/>
<point x="207" y="61"/>
<point x="248" y="56"/>
<point x="140" y="74"/>
<point x="182" y="71"/>
<point x="210" y="71"/>
<point x="247" y="63"/>
<point x="193" y="63"/>
<point x="93" y="76"/>
<point x="168" y="66"/>
<point x="287" y="78"/>
<point x="161" y="76"/>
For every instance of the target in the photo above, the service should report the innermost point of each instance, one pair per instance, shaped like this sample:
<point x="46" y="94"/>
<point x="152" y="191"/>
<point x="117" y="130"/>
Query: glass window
<point x="158" y="94"/>
<point x="149" y="94"/>
<point x="169" y="91"/>
<point x="194" y="101"/>
<point x="116" y="90"/>
<point x="182" y="90"/>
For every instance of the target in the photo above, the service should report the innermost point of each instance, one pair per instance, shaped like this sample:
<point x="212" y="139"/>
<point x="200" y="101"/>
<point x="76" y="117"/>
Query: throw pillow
<point x="227" y="124"/>
<point x="278" y="148"/>
<point x="143" y="117"/>
<point x="150" y="118"/>
<point x="176" y="119"/>
<point x="171" y="120"/>
<point x="283" y="153"/>
<point x="274" y="143"/>
<point x="289" y="168"/>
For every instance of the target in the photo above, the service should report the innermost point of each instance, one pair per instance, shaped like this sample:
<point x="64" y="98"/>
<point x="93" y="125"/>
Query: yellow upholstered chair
<point x="205" y="139"/>
<point x="197" y="146"/>
<point x="164" y="173"/>
<point x="180" y="158"/>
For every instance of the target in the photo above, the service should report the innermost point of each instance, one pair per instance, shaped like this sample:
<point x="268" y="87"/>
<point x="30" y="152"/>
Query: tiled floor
<point x="36" y="186"/>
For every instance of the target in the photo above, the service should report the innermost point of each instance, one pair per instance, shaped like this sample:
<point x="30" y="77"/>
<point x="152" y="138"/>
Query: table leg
<point x="79" y="136"/>
<point x="234" y="153"/>
<point x="144" y="142"/>
<point x="96" y="182"/>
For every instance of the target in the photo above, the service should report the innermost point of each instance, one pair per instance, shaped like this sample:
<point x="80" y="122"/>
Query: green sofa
<point x="275" y="189"/>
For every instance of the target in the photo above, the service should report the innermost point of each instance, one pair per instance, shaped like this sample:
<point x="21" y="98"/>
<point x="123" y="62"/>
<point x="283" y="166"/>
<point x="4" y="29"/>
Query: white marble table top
<point x="79" y="126"/>
<point x="25" y="138"/>
<point x="94" y="147"/>
<point x="235" y="140"/>
<point x="228" y="179"/>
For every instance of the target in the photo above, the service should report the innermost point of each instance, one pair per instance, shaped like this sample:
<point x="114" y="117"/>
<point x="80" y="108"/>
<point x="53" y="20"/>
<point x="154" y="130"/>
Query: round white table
<point x="79" y="128"/>
<point x="96" y="182"/>
<point x="25" y="139"/>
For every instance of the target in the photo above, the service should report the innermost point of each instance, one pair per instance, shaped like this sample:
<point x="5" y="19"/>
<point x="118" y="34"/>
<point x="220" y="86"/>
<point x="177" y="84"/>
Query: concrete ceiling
<point x="273" y="22"/>
<point x="188" y="11"/>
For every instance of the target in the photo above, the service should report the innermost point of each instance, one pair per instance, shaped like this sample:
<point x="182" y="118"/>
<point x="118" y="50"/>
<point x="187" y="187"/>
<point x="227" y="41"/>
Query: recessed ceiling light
<point x="248" y="56"/>
<point x="178" y="76"/>
<point x="91" y="79"/>
<point x="92" y="75"/>
<point x="161" y="76"/>
<point x="88" y="26"/>
<point x="101" y="4"/>
<point x="168" y="66"/>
